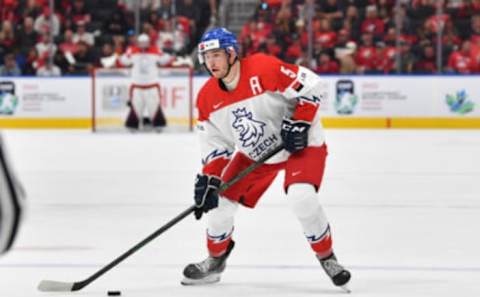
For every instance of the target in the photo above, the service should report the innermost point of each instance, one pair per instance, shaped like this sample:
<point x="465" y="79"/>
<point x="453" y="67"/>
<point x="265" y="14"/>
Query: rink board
<point x="347" y="102"/>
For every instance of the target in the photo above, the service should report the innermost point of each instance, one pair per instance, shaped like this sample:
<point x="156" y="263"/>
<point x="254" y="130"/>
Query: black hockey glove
<point x="294" y="134"/>
<point x="206" y="196"/>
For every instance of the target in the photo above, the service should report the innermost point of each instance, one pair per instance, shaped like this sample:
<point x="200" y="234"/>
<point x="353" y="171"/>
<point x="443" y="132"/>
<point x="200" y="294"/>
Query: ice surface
<point x="404" y="206"/>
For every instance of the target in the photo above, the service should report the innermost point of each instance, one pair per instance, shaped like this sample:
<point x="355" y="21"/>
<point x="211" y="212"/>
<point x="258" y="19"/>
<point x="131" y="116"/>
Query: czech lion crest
<point x="250" y="130"/>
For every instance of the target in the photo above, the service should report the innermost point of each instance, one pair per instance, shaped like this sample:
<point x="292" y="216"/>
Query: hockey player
<point x="11" y="202"/>
<point x="248" y="107"/>
<point x="145" y="89"/>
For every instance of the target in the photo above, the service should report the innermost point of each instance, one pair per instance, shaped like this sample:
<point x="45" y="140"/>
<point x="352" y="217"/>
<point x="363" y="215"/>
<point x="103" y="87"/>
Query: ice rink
<point x="404" y="206"/>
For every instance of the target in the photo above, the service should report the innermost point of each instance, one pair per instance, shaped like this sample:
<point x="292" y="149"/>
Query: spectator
<point x="68" y="45"/>
<point x="10" y="67"/>
<point x="324" y="33"/>
<point x="119" y="43"/>
<point x="31" y="62"/>
<point x="154" y="20"/>
<point x="366" y="57"/>
<point x="79" y="12"/>
<point x="427" y="62"/>
<point x="83" y="35"/>
<point x="401" y="22"/>
<point x="373" y="24"/>
<point x="246" y="33"/>
<point x="304" y="60"/>
<point x="107" y="57"/>
<point x="187" y="9"/>
<point x="352" y="21"/>
<point x="450" y="40"/>
<point x="333" y="11"/>
<point x="7" y="36"/>
<point x="30" y="8"/>
<point x="474" y="7"/>
<point x="475" y="29"/>
<point x="326" y="64"/>
<point x="165" y="12"/>
<point x="26" y="36"/>
<point x="407" y="58"/>
<point x="385" y="58"/>
<point x="170" y="39"/>
<point x="117" y="24"/>
<point x="7" y="10"/>
<point x="271" y="47"/>
<point x="422" y="9"/>
<point x="346" y="57"/>
<point x="60" y="60"/>
<point x="49" y="69"/>
<point x="461" y="61"/>
<point x="47" y="22"/>
<point x="45" y="47"/>
<point x="84" y="59"/>
<point x="384" y="10"/>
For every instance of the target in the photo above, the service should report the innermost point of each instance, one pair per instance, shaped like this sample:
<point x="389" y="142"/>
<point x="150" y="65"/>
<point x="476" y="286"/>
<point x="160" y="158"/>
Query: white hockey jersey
<point x="249" y="118"/>
<point x="145" y="63"/>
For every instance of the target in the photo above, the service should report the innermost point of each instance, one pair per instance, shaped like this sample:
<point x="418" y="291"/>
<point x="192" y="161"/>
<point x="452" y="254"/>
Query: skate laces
<point x="207" y="264"/>
<point x="332" y="267"/>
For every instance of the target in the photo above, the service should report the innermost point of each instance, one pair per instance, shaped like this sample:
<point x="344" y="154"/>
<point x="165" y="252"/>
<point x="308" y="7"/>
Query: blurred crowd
<point x="369" y="36"/>
<point x="348" y="36"/>
<point x="78" y="35"/>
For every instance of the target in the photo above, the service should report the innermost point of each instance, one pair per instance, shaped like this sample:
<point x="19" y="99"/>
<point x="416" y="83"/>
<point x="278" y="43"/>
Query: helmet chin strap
<point x="229" y="65"/>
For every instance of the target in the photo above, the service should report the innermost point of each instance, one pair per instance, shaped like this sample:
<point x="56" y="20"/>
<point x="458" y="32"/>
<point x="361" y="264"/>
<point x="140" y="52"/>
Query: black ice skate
<point x="208" y="271"/>
<point x="337" y="273"/>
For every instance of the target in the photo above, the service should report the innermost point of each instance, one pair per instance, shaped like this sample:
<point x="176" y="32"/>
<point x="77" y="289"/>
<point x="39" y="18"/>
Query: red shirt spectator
<point x="366" y="57"/>
<point x="386" y="59"/>
<point x="79" y="12"/>
<point x="324" y="33"/>
<point x="272" y="48"/>
<point x="461" y="61"/>
<point x="294" y="51"/>
<point x="326" y="64"/>
<point x="373" y="24"/>
<point x="68" y="45"/>
<point x="437" y="22"/>
<point x="474" y="7"/>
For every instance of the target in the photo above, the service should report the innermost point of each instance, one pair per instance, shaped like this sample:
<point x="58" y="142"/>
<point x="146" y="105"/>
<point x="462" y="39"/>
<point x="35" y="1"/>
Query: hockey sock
<point x="304" y="201"/>
<point x="220" y="226"/>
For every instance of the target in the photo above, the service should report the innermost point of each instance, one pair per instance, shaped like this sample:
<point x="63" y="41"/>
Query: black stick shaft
<point x="81" y="284"/>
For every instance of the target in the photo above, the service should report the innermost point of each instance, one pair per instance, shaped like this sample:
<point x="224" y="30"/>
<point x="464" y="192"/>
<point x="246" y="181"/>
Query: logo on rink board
<point x="345" y="100"/>
<point x="459" y="102"/>
<point x="8" y="99"/>
<point x="114" y="96"/>
<point x="250" y="130"/>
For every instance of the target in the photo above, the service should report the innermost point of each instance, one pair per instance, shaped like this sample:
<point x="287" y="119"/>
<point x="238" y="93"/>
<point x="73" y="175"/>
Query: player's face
<point x="217" y="62"/>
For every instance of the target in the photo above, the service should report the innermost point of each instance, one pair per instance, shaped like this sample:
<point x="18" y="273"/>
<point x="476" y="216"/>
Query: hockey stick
<point x="56" y="286"/>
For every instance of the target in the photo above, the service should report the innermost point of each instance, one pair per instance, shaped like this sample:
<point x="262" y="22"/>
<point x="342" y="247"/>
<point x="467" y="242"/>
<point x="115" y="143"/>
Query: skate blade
<point x="211" y="279"/>
<point x="346" y="289"/>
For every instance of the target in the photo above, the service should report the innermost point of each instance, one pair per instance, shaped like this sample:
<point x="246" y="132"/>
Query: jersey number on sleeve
<point x="287" y="72"/>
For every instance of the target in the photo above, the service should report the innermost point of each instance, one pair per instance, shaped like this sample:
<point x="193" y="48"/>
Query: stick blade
<point x="54" y="286"/>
